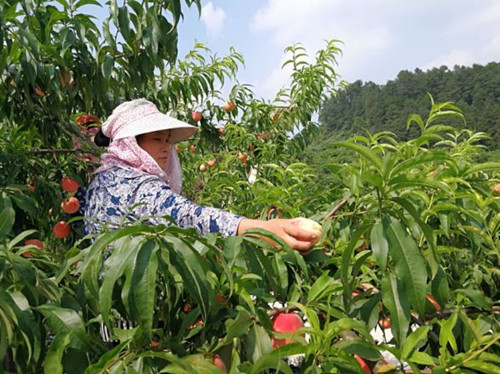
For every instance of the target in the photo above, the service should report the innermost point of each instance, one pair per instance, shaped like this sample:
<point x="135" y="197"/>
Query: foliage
<point x="404" y="222"/>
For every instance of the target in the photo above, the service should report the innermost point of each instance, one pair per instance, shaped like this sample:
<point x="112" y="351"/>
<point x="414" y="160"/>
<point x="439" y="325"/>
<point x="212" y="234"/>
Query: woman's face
<point x="157" y="144"/>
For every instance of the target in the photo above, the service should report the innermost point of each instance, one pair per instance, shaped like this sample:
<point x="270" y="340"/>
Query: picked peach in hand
<point x="309" y="225"/>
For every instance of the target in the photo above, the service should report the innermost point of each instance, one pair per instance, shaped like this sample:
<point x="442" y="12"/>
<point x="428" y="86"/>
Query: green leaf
<point x="483" y="367"/>
<point x="446" y="335"/>
<point x="433" y="257"/>
<point x="379" y="244"/>
<point x="409" y="264"/>
<point x="365" y="152"/>
<point x="415" y="339"/>
<point x="361" y="348"/>
<point x="477" y="297"/>
<point x="93" y="260"/>
<point x="417" y="119"/>
<point x="420" y="159"/>
<point x="193" y="270"/>
<point x="107" y="34"/>
<point x="107" y="67"/>
<point x="53" y="361"/>
<point x="239" y="326"/>
<point x="124" y="24"/>
<point x="7" y="219"/>
<point x="422" y="358"/>
<point x="440" y="288"/>
<point x="232" y="249"/>
<point x="258" y="343"/>
<point x="124" y="251"/>
<point x="322" y="288"/>
<point x="345" y="266"/>
<point x="101" y="365"/>
<point x="144" y="285"/>
<point x="345" y="324"/>
<point x="409" y="181"/>
<point x="67" y="322"/>
<point x="482" y="167"/>
<point x="394" y="299"/>
<point x="81" y="3"/>
<point x="18" y="238"/>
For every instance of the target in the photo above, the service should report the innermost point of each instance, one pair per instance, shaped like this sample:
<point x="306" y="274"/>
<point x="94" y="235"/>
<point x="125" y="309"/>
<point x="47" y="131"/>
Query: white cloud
<point x="363" y="33"/>
<point x="485" y="18"/>
<point x="213" y="18"/>
<point x="381" y="37"/>
<point x="478" y="54"/>
<point x="477" y="36"/>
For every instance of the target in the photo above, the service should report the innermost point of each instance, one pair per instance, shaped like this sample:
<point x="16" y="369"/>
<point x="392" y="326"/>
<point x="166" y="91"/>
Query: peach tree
<point x="410" y="229"/>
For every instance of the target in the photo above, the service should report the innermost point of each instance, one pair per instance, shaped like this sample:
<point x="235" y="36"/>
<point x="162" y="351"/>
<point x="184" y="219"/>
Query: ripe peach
<point x="196" y="116"/>
<point x="31" y="186"/>
<point x="36" y="243"/>
<point x="285" y="323"/>
<point x="154" y="344"/>
<point x="496" y="189"/>
<point x="87" y="118"/>
<point x="192" y="149"/>
<point x="70" y="205"/>
<point x="385" y="323"/>
<point x="243" y="157"/>
<point x="69" y="185"/>
<point x="211" y="163"/>
<point x="199" y="323"/>
<point x="187" y="308"/>
<point x="61" y="229"/>
<point x="229" y="106"/>
<point x="217" y="361"/>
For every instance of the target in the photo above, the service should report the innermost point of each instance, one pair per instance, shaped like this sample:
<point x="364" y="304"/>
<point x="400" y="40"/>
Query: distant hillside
<point x="366" y="105"/>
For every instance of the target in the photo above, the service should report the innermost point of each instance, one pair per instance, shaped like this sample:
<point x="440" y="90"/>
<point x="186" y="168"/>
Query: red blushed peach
<point x="285" y="323"/>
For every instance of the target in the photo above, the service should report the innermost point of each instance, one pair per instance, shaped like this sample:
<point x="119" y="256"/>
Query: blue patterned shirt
<point x="118" y="196"/>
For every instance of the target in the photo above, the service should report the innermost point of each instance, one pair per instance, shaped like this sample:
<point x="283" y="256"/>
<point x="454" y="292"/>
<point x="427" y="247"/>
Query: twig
<point x="420" y="322"/>
<point x="60" y="150"/>
<point x="335" y="209"/>
<point x="475" y="354"/>
<point x="449" y="312"/>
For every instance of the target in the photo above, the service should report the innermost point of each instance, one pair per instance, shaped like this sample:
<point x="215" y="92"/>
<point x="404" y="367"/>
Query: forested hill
<point x="475" y="90"/>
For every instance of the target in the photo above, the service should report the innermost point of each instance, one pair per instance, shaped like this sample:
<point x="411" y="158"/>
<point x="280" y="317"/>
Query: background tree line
<point x="367" y="105"/>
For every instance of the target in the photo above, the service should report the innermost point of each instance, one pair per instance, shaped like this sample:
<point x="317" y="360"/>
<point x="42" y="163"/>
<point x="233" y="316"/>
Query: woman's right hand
<point x="299" y="233"/>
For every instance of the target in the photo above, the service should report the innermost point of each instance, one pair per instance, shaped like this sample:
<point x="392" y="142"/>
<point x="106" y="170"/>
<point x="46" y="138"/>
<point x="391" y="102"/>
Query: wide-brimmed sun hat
<point x="141" y="116"/>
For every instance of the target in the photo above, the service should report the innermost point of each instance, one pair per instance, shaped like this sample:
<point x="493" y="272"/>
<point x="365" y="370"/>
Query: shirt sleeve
<point x="156" y="199"/>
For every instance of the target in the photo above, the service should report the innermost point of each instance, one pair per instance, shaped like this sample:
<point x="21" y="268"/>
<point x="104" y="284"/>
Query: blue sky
<point x="381" y="37"/>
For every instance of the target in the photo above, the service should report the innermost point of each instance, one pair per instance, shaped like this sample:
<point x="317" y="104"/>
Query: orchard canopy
<point x="405" y="276"/>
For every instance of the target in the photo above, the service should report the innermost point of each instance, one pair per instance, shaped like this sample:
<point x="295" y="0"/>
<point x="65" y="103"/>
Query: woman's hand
<point x="299" y="233"/>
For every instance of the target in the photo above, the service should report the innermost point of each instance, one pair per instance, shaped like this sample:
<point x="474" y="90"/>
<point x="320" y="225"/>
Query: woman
<point x="140" y="179"/>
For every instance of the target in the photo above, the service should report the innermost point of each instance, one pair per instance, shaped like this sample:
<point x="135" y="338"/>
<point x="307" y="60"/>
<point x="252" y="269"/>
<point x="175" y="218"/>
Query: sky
<point x="380" y="37"/>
